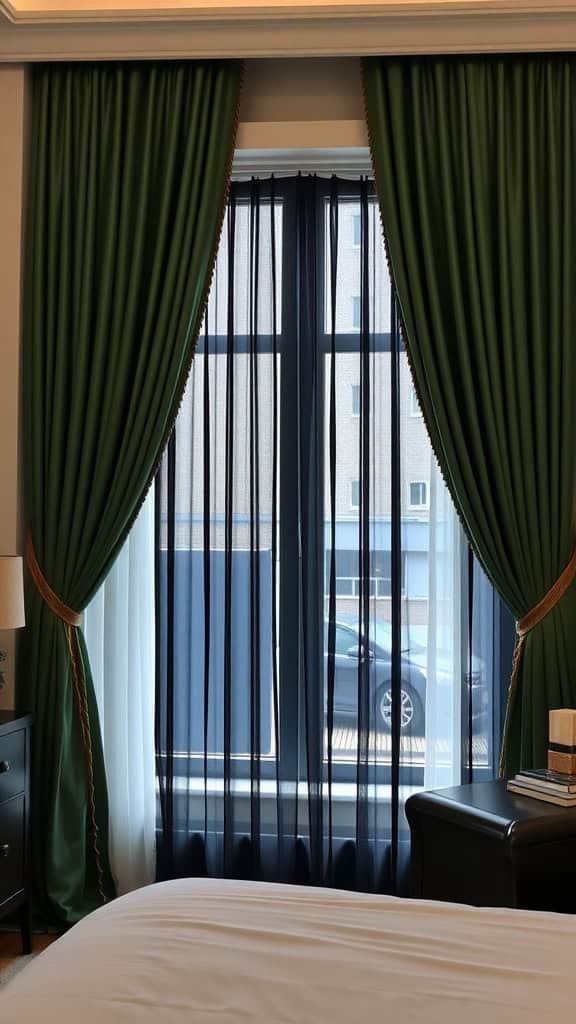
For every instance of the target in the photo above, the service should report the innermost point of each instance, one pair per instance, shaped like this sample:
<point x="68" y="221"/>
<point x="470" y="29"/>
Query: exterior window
<point x="356" y="312"/>
<point x="419" y="494"/>
<point x="355" y="399"/>
<point x="355" y="494"/>
<point x="348" y="580"/>
<point x="356" y="229"/>
<point x="414" y="406"/>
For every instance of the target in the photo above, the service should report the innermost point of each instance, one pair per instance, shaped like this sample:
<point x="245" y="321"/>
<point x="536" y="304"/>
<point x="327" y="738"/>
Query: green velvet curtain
<point x="475" y="164"/>
<point x="129" y="171"/>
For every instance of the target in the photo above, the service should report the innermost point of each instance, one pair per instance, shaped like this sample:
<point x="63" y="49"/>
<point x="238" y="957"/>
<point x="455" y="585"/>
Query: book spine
<point x="544" y="785"/>
<point x="534" y="794"/>
<point x="564" y="763"/>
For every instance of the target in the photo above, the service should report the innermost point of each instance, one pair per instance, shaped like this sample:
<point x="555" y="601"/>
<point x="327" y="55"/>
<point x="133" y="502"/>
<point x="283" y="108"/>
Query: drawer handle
<point x="4" y="849"/>
<point x="4" y="767"/>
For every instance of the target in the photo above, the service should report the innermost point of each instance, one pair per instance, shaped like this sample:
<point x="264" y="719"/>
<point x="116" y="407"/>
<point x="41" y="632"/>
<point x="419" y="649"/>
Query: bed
<point x="218" y="952"/>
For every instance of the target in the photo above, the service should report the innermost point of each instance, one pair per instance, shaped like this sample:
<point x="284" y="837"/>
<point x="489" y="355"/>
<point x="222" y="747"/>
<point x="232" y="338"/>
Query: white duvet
<point x="219" y="952"/>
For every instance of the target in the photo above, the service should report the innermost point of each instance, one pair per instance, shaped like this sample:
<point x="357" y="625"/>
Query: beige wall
<point x="285" y="103"/>
<point x="12" y="119"/>
<point x="302" y="103"/>
<point x="318" y="89"/>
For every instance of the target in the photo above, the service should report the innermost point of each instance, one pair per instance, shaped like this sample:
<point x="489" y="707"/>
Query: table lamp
<point x="11" y="598"/>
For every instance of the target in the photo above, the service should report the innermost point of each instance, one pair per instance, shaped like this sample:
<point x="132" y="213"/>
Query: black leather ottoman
<point x="481" y="845"/>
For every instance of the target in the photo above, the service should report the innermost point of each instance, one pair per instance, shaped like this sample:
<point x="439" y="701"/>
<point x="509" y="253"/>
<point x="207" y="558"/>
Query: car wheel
<point x="411" y="711"/>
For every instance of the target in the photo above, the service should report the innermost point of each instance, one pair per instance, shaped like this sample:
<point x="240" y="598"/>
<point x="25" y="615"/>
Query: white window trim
<point x="414" y="409"/>
<point x="423" y="505"/>
<point x="345" y="161"/>
<point x="356" y="245"/>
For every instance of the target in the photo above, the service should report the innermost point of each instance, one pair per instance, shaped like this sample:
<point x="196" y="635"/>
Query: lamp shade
<point x="11" y="592"/>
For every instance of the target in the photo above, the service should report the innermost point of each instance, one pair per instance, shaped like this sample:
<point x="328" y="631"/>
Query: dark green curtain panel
<point x="475" y="163"/>
<point x="129" y="172"/>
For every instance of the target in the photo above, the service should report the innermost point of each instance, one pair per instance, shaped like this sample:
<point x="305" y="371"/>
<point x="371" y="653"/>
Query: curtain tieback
<point x="524" y="626"/>
<point x="549" y="601"/>
<point x="61" y="610"/>
<point x="71" y="620"/>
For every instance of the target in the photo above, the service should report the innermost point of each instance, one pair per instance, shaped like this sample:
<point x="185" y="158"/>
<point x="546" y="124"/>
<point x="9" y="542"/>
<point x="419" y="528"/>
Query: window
<point x="414" y="406"/>
<point x="349" y="577"/>
<point x="259" y="518"/>
<point x="356" y="229"/>
<point x="419" y="494"/>
<point x="345" y="640"/>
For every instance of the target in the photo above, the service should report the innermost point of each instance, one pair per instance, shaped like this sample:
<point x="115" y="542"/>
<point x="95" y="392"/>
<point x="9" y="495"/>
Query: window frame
<point x="420" y="506"/>
<point x="290" y="754"/>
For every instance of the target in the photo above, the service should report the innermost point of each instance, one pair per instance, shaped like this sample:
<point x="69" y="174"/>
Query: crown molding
<point x="50" y="12"/>
<point x="158" y="29"/>
<point x="7" y="11"/>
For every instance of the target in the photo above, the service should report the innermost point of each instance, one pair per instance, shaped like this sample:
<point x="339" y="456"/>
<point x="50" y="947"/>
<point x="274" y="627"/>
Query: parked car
<point x="351" y="646"/>
<point x="349" y="649"/>
<point x="415" y="649"/>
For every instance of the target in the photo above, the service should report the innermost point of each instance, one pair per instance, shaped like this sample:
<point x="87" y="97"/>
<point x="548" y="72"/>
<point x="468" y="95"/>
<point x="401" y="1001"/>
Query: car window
<point x="345" y="639"/>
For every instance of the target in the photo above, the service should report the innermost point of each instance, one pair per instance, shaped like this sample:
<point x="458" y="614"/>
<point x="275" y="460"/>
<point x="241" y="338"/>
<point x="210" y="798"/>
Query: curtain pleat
<point x="129" y="167"/>
<point x="475" y="161"/>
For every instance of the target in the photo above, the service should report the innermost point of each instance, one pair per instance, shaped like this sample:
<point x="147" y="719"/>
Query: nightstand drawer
<point x="11" y="847"/>
<point x="12" y="764"/>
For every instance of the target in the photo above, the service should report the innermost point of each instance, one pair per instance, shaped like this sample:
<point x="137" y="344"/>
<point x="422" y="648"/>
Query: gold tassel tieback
<point x="524" y="626"/>
<point x="61" y="610"/>
<point x="71" y="620"/>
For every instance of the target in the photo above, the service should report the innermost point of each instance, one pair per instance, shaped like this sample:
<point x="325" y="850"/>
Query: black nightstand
<point x="14" y="819"/>
<point x="481" y="845"/>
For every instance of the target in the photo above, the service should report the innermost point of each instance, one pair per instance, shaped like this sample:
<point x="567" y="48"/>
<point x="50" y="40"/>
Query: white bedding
<point x="219" y="952"/>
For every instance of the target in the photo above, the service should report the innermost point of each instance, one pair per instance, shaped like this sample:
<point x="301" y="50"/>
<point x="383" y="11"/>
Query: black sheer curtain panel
<point x="316" y="659"/>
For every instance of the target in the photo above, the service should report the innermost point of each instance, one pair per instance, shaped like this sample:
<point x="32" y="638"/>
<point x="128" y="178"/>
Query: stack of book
<point x="543" y="784"/>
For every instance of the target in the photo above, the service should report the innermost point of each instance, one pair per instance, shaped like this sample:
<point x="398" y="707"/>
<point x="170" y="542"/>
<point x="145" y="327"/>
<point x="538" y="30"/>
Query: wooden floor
<point x="11" y="945"/>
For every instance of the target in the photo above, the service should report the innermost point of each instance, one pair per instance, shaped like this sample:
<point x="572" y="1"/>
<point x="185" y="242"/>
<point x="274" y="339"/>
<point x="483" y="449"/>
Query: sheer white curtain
<point x="443" y="759"/>
<point x="119" y="631"/>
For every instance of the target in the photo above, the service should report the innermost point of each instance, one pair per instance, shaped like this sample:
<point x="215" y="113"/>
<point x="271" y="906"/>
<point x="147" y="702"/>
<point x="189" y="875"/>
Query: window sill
<point x="342" y="792"/>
